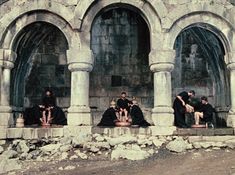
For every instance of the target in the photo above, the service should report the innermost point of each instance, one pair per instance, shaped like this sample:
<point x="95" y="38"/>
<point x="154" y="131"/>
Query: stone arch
<point x="158" y="7"/>
<point x="13" y="28"/>
<point x="223" y="11"/>
<point x="49" y="6"/>
<point x="146" y="10"/>
<point x="13" y="31"/>
<point x="223" y="32"/>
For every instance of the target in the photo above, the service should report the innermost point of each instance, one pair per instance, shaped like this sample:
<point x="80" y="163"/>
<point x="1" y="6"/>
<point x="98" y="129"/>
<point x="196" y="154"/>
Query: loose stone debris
<point x="14" y="153"/>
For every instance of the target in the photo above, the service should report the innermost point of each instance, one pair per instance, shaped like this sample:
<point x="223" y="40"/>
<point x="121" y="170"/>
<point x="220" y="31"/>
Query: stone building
<point x="88" y="51"/>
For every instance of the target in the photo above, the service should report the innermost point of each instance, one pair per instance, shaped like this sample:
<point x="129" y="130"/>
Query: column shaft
<point x="232" y="89"/>
<point x="80" y="89"/>
<point x="162" y="89"/>
<point x="5" y="87"/>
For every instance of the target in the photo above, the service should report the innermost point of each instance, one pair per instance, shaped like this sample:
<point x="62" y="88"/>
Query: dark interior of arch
<point x="40" y="64"/>
<point x="200" y="66"/>
<point x="120" y="41"/>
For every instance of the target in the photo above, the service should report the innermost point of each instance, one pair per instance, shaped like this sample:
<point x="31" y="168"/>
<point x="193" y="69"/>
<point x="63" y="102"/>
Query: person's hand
<point x="183" y="103"/>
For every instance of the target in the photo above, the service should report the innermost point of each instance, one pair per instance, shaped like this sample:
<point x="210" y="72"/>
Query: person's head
<point x="48" y="93"/>
<point x="204" y="100"/>
<point x="134" y="102"/>
<point x="112" y="104"/>
<point x="191" y="93"/>
<point x="123" y="94"/>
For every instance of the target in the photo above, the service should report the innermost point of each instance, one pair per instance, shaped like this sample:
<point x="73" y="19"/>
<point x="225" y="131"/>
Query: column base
<point x="163" y="116"/>
<point x="231" y="119"/>
<point x="6" y="119"/>
<point x="79" y="116"/>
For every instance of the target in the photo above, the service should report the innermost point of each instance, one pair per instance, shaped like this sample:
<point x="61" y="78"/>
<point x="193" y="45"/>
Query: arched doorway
<point x="200" y="65"/>
<point x="120" y="41"/>
<point x="41" y="63"/>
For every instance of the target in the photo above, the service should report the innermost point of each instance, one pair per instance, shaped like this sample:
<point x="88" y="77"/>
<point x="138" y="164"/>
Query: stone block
<point x="63" y="101"/>
<point x="185" y="131"/>
<point x="14" y="133"/>
<point x="62" y="60"/>
<point x="6" y="119"/>
<point x="162" y="130"/>
<point x="76" y="130"/>
<point x="104" y="102"/>
<point x="2" y="142"/>
<point x="118" y="131"/>
<point x="163" y="119"/>
<point x="43" y="132"/>
<point x="96" y="117"/>
<point x="3" y="132"/>
<point x="57" y="132"/>
<point x="94" y="101"/>
<point x="30" y="133"/>
<point x="223" y="131"/>
<point x="49" y="59"/>
<point x="76" y="119"/>
<point x="205" y="131"/>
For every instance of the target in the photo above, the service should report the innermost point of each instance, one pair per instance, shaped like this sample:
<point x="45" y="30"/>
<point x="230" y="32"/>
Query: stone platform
<point x="36" y="133"/>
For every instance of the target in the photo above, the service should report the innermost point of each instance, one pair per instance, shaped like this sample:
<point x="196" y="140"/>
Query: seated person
<point x="123" y="107"/>
<point x="45" y="114"/>
<point x="137" y="116"/>
<point x="109" y="118"/>
<point x="205" y="112"/>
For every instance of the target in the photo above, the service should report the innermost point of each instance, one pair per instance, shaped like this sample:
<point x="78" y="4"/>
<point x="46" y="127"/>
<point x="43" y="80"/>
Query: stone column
<point x="231" y="115"/>
<point x="79" y="112"/>
<point x="7" y="59"/>
<point x="161" y="64"/>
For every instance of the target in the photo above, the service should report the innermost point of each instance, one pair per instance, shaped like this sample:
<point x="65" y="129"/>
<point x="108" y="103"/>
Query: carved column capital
<point x="80" y="67"/>
<point x="7" y="58"/>
<point x="231" y="66"/>
<point x="161" y="60"/>
<point x="162" y="67"/>
<point x="80" y="60"/>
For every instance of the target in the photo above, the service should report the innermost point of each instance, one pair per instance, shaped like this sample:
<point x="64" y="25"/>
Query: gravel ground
<point x="195" y="162"/>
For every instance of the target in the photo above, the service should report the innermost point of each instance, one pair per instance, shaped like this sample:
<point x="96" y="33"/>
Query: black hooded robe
<point x="108" y="118"/>
<point x="138" y="117"/>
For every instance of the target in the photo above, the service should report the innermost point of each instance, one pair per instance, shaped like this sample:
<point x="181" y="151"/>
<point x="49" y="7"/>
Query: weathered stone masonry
<point x="89" y="51"/>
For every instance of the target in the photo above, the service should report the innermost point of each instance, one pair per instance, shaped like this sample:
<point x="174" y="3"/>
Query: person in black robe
<point x="37" y="113"/>
<point x="179" y="107"/>
<point x="123" y="105"/>
<point x="137" y="116"/>
<point x="205" y="112"/>
<point x="109" y="118"/>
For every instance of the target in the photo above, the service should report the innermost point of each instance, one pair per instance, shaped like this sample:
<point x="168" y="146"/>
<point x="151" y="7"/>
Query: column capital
<point x="162" y="67"/>
<point x="161" y="60"/>
<point x="8" y="65"/>
<point x="7" y="58"/>
<point x="230" y="57"/>
<point x="231" y="66"/>
<point x="80" y="67"/>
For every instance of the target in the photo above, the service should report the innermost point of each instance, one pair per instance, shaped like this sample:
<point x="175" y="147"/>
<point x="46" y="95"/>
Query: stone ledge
<point x="32" y="133"/>
<point x="37" y="133"/>
<point x="204" y="131"/>
<point x="118" y="131"/>
<point x="14" y="133"/>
